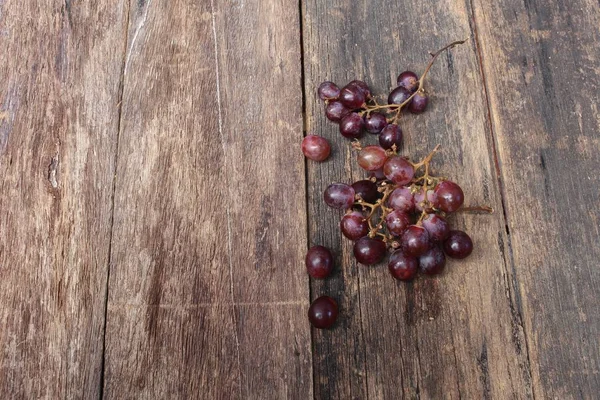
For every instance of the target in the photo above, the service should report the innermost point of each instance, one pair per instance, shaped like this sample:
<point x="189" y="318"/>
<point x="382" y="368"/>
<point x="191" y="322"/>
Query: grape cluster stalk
<point x="401" y="208"/>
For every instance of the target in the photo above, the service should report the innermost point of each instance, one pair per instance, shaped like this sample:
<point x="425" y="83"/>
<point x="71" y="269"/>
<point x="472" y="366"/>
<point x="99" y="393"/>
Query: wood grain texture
<point x="60" y="69"/>
<point x="541" y="66"/>
<point x="456" y="336"/>
<point x="208" y="294"/>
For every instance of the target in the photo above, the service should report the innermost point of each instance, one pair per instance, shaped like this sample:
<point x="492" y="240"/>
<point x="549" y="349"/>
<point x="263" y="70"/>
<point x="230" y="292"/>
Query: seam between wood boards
<point x="229" y="244"/>
<point x="306" y="208"/>
<point x="499" y="178"/>
<point x="114" y="187"/>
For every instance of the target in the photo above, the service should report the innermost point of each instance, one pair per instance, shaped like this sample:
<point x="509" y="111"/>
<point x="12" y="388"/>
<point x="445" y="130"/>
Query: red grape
<point x="432" y="262"/>
<point x="437" y="227"/>
<point x="389" y="136"/>
<point x="420" y="197"/>
<point x="339" y="195"/>
<point x="458" y="245"/>
<point x="319" y="262"/>
<point x="402" y="267"/>
<point x="371" y="158"/>
<point x="328" y="91"/>
<point x="378" y="174"/>
<point x="397" y="222"/>
<point x="398" y="170"/>
<point x="323" y="312"/>
<point x="369" y="251"/>
<point x="316" y="148"/>
<point x="375" y="122"/>
<point x="415" y="240"/>
<point x="402" y="199"/>
<point x="335" y="111"/>
<point x="399" y="95"/>
<point x="351" y="126"/>
<point x="367" y="190"/>
<point x="418" y="104"/>
<point x="362" y="86"/>
<point x="408" y="80"/>
<point x="354" y="225"/>
<point x="352" y="96"/>
<point x="450" y="196"/>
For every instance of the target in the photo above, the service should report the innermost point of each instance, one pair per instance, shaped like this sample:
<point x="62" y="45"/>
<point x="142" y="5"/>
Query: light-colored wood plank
<point x="457" y="335"/>
<point x="207" y="293"/>
<point x="60" y="69"/>
<point x="541" y="66"/>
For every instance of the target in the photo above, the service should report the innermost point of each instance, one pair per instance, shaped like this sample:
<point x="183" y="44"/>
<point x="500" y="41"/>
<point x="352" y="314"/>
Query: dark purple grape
<point x="408" y="80"/>
<point x="420" y="197"/>
<point x="375" y="122"/>
<point x="458" y="245"/>
<point x="323" y="312"/>
<point x="397" y="222"/>
<point x="398" y="170"/>
<point x="450" y="196"/>
<point x="371" y="158"/>
<point x="369" y="251"/>
<point x="432" y="262"/>
<point x="415" y="240"/>
<point x="354" y="225"/>
<point x="319" y="262"/>
<point x="339" y="195"/>
<point x="398" y="95"/>
<point x="391" y="135"/>
<point x="418" y="104"/>
<point x="362" y="86"/>
<point x="367" y="190"/>
<point x="335" y="111"/>
<point x="328" y="91"/>
<point x="316" y="148"/>
<point x="351" y="126"/>
<point x="378" y="174"/>
<point x="402" y="267"/>
<point x="437" y="227"/>
<point x="402" y="199"/>
<point x="352" y="96"/>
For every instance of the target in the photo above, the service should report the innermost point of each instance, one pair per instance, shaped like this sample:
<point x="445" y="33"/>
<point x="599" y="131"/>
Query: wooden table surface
<point x="155" y="207"/>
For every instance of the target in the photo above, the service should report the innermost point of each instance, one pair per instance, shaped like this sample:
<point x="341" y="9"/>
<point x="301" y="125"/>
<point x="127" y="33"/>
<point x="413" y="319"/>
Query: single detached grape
<point x="362" y="86"/>
<point x="352" y="96"/>
<point x="420" y="198"/>
<point x="371" y="158"/>
<point x="437" y="227"/>
<point x="319" y="262"/>
<point x="432" y="262"/>
<point x="389" y="136"/>
<point x="323" y="312"/>
<point x="339" y="195"/>
<point x="408" y="80"/>
<point x="402" y="199"/>
<point x="375" y="122"/>
<point x="402" y="267"/>
<point x="354" y="225"/>
<point x="328" y="91"/>
<point x="397" y="222"/>
<point x="367" y="190"/>
<point x="415" y="241"/>
<point x="458" y="245"/>
<point x="316" y="148"/>
<point x="418" y="104"/>
<point x="450" y="196"/>
<point x="369" y="251"/>
<point x="398" y="170"/>
<point x="399" y="95"/>
<point x="351" y="126"/>
<point x="335" y="111"/>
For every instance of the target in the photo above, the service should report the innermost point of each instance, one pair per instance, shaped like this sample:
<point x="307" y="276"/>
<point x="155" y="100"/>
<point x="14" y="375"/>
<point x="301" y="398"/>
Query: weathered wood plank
<point x="60" y="69"/>
<point x="455" y="336"/>
<point x="541" y="66"/>
<point x="207" y="293"/>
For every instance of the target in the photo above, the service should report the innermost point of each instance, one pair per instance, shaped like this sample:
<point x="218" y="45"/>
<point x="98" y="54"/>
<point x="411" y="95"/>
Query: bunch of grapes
<point x="401" y="209"/>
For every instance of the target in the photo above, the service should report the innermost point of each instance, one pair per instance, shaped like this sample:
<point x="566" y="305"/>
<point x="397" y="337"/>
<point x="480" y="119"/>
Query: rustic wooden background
<point x="155" y="207"/>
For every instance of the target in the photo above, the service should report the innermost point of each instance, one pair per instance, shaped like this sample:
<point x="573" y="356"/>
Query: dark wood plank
<point x="60" y="69"/>
<point x="541" y="66"/>
<point x="207" y="293"/>
<point x="455" y="336"/>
